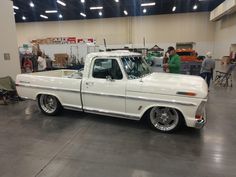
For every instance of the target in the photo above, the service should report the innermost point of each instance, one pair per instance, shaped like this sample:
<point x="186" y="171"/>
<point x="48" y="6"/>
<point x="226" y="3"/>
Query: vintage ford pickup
<point x="120" y="84"/>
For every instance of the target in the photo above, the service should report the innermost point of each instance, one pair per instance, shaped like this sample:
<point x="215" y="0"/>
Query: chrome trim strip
<point x="160" y="94"/>
<point x="109" y="113"/>
<point x="162" y="101"/>
<point x="141" y="98"/>
<point x="27" y="98"/>
<point x="47" y="88"/>
<point x="108" y="95"/>
<point x="103" y="94"/>
<point x="74" y="108"/>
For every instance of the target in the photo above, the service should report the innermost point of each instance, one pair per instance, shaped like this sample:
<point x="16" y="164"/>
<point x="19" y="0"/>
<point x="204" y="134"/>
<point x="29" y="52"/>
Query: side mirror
<point x="108" y="78"/>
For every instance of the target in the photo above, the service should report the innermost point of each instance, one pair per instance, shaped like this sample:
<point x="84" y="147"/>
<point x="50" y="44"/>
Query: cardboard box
<point x="61" y="59"/>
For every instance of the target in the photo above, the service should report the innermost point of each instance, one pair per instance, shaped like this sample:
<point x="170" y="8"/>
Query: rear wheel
<point x="165" y="119"/>
<point x="49" y="104"/>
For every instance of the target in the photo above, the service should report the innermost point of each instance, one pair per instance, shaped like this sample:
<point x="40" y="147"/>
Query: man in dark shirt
<point x="208" y="66"/>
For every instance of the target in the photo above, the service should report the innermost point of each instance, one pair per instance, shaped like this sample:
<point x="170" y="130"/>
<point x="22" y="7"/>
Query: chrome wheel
<point x="164" y="119"/>
<point x="48" y="104"/>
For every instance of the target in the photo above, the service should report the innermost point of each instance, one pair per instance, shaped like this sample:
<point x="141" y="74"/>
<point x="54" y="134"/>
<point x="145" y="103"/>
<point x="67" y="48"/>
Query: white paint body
<point x="121" y="98"/>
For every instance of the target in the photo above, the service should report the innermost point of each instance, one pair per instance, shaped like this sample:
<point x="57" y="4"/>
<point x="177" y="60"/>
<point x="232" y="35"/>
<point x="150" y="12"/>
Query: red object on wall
<point x="80" y="40"/>
<point x="90" y="40"/>
<point x="71" y="40"/>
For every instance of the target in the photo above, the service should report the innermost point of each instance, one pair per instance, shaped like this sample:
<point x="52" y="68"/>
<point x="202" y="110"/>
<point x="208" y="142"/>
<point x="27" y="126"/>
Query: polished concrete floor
<point x="83" y="145"/>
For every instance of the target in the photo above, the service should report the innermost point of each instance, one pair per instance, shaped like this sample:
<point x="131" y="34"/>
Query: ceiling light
<point x="144" y="11"/>
<point x="50" y="11"/>
<point x="23" y="18"/>
<point x="14" y="13"/>
<point x="44" y="16"/>
<point x="148" y="4"/>
<point x="100" y="13"/>
<point x="117" y="0"/>
<point x="82" y="1"/>
<point x="60" y="2"/>
<point x="15" y="7"/>
<point x="83" y="14"/>
<point x="96" y="8"/>
<point x="195" y="7"/>
<point x="31" y="4"/>
<point x="60" y="16"/>
<point x="125" y="12"/>
<point x="174" y="8"/>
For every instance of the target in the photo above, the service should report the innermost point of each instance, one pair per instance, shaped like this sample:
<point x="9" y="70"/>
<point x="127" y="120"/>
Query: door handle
<point x="89" y="83"/>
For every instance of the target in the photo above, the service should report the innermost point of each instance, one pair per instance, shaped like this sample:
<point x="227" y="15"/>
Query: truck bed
<point x="64" y="83"/>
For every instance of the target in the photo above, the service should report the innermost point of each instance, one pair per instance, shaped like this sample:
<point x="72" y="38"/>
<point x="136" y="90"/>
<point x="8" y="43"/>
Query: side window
<point x="107" y="67"/>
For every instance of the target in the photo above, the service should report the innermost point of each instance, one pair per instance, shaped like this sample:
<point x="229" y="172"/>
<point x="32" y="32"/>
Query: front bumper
<point x="201" y="122"/>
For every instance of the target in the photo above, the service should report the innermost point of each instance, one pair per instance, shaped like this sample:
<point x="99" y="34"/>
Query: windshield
<point x="135" y="67"/>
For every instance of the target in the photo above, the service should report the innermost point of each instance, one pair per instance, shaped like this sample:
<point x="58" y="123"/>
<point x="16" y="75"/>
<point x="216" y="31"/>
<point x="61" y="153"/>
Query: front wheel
<point x="165" y="119"/>
<point x="49" y="104"/>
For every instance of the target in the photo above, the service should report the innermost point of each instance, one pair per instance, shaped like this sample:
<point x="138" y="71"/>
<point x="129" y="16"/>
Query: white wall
<point x="8" y="41"/>
<point x="163" y="30"/>
<point x="225" y="35"/>
<point x="113" y="29"/>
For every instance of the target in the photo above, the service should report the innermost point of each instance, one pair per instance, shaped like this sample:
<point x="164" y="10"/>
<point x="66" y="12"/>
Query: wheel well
<point x="38" y="96"/>
<point x="149" y="109"/>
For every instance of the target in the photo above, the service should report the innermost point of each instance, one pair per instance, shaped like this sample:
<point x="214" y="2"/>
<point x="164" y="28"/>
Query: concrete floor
<point x="77" y="144"/>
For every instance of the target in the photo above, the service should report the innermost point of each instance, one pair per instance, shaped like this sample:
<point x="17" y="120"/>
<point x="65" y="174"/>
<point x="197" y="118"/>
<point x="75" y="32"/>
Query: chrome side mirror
<point x="108" y="78"/>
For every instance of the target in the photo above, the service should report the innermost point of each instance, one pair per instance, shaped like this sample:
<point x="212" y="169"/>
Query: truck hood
<point x="170" y="84"/>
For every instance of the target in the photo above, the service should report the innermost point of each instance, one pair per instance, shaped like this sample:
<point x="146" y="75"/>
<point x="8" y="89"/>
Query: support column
<point x="9" y="55"/>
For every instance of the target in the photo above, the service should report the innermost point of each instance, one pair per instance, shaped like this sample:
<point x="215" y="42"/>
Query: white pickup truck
<point x="120" y="84"/>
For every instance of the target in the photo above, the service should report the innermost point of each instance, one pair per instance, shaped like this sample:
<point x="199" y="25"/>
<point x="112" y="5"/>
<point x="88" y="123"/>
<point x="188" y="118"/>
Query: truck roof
<point x="118" y="53"/>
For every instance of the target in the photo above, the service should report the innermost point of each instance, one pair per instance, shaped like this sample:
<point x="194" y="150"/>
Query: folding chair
<point x="223" y="78"/>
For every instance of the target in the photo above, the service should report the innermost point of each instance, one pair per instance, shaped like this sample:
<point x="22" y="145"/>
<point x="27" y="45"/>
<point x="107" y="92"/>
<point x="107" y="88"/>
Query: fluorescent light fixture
<point x="195" y="7"/>
<point x="82" y="1"/>
<point x="50" y="11"/>
<point x="31" y="4"/>
<point x="96" y="8"/>
<point x="125" y="12"/>
<point x="83" y="14"/>
<point x="144" y="11"/>
<point x="23" y="18"/>
<point x="148" y="4"/>
<point x="60" y="16"/>
<point x="100" y="13"/>
<point x="174" y="8"/>
<point x="61" y="2"/>
<point x="15" y="7"/>
<point x="44" y="16"/>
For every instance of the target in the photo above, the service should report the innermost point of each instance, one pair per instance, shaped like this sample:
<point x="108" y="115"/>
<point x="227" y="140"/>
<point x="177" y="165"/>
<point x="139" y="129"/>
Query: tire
<point x="165" y="119"/>
<point x="49" y="105"/>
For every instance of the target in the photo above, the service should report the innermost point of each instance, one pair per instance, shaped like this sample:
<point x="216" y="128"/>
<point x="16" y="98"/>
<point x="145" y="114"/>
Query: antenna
<point x="105" y="44"/>
<point x="144" y="42"/>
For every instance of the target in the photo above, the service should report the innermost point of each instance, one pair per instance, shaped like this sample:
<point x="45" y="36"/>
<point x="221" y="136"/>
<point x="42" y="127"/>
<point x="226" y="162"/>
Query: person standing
<point x="42" y="65"/>
<point x="28" y="66"/>
<point x="174" y="61"/>
<point x="208" y="66"/>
